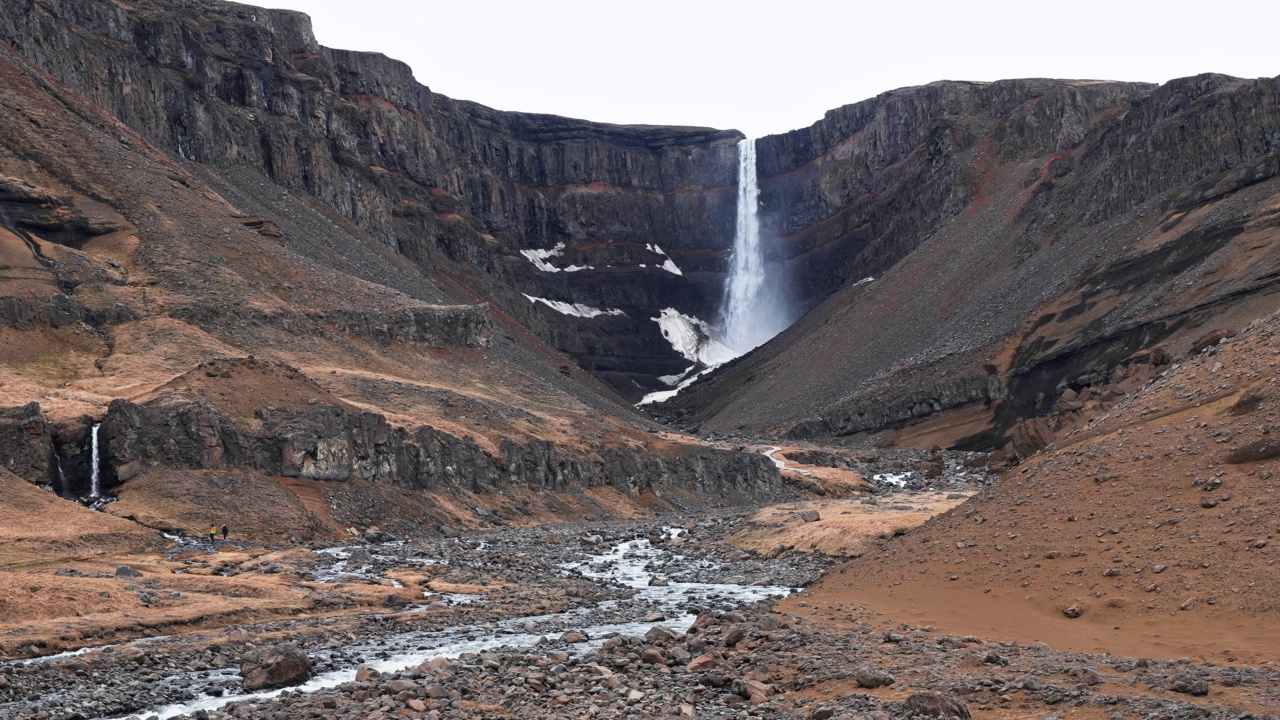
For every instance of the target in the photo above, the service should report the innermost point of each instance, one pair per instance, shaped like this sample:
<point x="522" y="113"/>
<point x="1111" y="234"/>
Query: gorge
<point x="982" y="374"/>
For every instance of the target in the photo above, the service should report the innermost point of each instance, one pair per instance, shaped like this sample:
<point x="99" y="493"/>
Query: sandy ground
<point x="845" y="527"/>
<point x="1154" y="524"/>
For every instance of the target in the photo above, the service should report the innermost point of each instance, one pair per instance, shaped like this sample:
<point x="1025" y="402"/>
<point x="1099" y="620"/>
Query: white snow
<point x="863" y="281"/>
<point x="667" y="265"/>
<point x="690" y="337"/>
<point x="674" y="380"/>
<point x="539" y="257"/>
<point x="574" y="309"/>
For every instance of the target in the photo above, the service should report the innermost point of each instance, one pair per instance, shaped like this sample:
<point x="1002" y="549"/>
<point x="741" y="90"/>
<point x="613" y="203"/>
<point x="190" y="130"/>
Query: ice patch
<point x="667" y="265"/>
<point x="539" y="257"/>
<point x="863" y="281"/>
<point x="574" y="309"/>
<point x="673" y="380"/>
<point x="690" y="337"/>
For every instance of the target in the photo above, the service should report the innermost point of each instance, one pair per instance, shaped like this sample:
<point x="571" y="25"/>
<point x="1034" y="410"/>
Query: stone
<point x="1190" y="686"/>
<point x="574" y="636"/>
<point x="702" y="662"/>
<point x="868" y="677"/>
<point x="932" y="704"/>
<point x="658" y="582"/>
<point x="1073" y="611"/>
<point x="128" y="571"/>
<point x="275" y="666"/>
<point x="653" y="656"/>
<point x="809" y="515"/>
<point x="734" y="636"/>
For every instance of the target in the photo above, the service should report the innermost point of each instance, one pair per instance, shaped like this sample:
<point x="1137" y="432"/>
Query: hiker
<point x="213" y="533"/>
<point x="224" y="533"/>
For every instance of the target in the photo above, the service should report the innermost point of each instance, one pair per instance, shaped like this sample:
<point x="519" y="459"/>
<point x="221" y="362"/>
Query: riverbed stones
<point x="276" y="666"/>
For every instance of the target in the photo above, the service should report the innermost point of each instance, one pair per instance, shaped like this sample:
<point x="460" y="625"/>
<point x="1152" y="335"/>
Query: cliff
<point x="1025" y="240"/>
<point x="456" y="187"/>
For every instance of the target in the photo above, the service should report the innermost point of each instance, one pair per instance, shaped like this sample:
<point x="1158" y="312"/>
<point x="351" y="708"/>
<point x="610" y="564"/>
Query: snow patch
<point x="539" y="257"/>
<point x="863" y="281"/>
<point x="574" y="309"/>
<point x="673" y="380"/>
<point x="667" y="265"/>
<point x="690" y="337"/>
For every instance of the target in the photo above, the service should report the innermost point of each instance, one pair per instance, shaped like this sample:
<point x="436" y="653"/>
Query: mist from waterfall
<point x="94" y="481"/>
<point x="755" y="307"/>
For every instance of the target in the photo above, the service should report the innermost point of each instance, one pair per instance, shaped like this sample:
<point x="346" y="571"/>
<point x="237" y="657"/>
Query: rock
<point x="661" y="634"/>
<point x="128" y="571"/>
<point x="872" y="677"/>
<point x="365" y="674"/>
<point x="932" y="704"/>
<point x="809" y="515"/>
<point x="26" y="444"/>
<point x="658" y="582"/>
<point x="282" y="665"/>
<point x="1085" y="675"/>
<point x="734" y="636"/>
<point x="574" y="636"/>
<point x="701" y="663"/>
<point x="1190" y="686"/>
<point x="1073" y="611"/>
<point x="653" y="656"/>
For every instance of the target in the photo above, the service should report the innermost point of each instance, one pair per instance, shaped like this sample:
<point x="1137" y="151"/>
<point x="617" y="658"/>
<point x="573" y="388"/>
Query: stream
<point x="626" y="563"/>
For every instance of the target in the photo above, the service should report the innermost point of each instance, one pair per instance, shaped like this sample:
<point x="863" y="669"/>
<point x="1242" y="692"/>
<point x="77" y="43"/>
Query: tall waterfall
<point x="94" y="481"/>
<point x="754" y="309"/>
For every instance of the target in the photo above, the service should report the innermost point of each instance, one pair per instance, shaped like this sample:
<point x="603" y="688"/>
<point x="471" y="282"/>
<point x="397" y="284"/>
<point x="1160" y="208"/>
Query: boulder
<point x="873" y="677"/>
<point x="932" y="704"/>
<point x="702" y="662"/>
<point x="282" y="665"/>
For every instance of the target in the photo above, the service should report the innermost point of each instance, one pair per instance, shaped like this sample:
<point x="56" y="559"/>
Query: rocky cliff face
<point x="1038" y="237"/>
<point x="597" y="210"/>
<point x="333" y="444"/>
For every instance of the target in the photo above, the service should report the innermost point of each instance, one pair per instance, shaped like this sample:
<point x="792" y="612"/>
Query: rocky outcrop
<point x="435" y="326"/>
<point x="1025" y="237"/>
<point x="449" y="184"/>
<point x="331" y="443"/>
<point x="26" y="444"/>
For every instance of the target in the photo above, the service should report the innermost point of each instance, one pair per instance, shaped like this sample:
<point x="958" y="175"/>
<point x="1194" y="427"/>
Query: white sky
<point x="771" y="67"/>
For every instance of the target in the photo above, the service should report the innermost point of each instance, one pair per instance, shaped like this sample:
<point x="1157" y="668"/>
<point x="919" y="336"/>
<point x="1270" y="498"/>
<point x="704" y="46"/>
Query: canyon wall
<point x="457" y="187"/>
<point x="1024" y="240"/>
<point x="334" y="444"/>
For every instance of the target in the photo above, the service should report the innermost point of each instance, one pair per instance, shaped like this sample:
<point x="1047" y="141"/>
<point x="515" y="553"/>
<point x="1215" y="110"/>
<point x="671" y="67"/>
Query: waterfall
<point x="94" y="480"/>
<point x="753" y="307"/>
<point x="62" y="476"/>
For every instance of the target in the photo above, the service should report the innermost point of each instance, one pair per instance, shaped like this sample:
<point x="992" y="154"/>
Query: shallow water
<point x="625" y="563"/>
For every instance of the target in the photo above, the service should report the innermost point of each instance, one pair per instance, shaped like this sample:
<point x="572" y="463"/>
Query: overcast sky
<point x="770" y="67"/>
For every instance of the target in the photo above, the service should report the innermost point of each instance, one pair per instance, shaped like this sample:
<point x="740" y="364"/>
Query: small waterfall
<point x="753" y="308"/>
<point x="94" y="480"/>
<point x="62" y="476"/>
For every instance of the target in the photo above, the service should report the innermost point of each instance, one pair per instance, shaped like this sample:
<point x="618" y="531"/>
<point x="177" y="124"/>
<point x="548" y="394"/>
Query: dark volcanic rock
<point x="447" y="183"/>
<point x="332" y="443"/>
<point x="282" y="665"/>
<point x="26" y="444"/>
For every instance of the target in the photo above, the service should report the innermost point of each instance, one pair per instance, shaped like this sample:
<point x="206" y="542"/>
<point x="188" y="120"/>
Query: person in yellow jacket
<point x="213" y="533"/>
